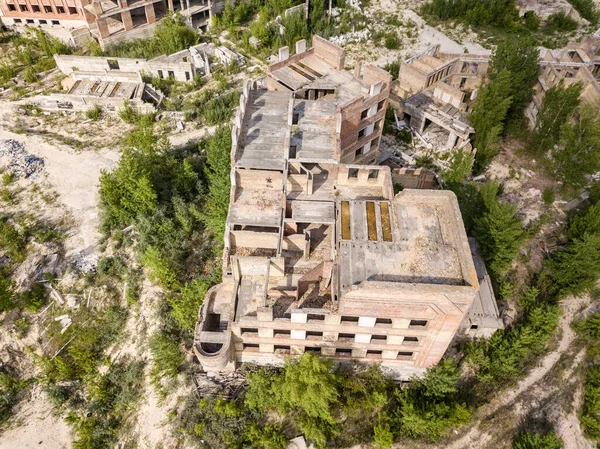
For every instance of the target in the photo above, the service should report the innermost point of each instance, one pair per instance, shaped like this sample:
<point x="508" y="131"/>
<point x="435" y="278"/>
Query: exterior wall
<point x="68" y="11"/>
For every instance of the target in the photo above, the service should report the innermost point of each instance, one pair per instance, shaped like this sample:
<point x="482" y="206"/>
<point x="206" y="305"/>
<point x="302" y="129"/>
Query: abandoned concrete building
<point x="320" y="255"/>
<point x="433" y="94"/>
<point x="108" y="82"/>
<point x="109" y="21"/>
<point x="577" y="62"/>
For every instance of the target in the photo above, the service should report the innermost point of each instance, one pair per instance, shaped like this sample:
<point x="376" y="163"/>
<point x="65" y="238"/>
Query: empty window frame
<point x="364" y="114"/>
<point x="295" y="118"/>
<point x="384" y="321"/>
<point x="343" y="352"/>
<point x="160" y="74"/>
<point x="18" y="20"/>
<point x="410" y="340"/>
<point x="29" y="21"/>
<point x="250" y="346"/>
<point x="113" y="64"/>
<point x="379" y="338"/>
<point x="418" y="323"/>
<point x="48" y="8"/>
<point x="187" y="76"/>
<point x="282" y="333"/>
<point x="23" y="8"/>
<point x="350" y="319"/>
<point x="60" y="9"/>
<point x="404" y="355"/>
<point x="249" y="330"/>
<point x="373" y="354"/>
<point x="373" y="174"/>
<point x="12" y="7"/>
<point x="380" y="105"/>
<point x="315" y="350"/>
<point x="313" y="317"/>
<point x="314" y="334"/>
<point x="35" y="8"/>
<point x="345" y="337"/>
<point x="55" y="22"/>
<point x="362" y="132"/>
<point x="171" y="74"/>
<point x="43" y="22"/>
<point x="282" y="349"/>
<point x="359" y="152"/>
<point x="72" y="10"/>
<point x="353" y="173"/>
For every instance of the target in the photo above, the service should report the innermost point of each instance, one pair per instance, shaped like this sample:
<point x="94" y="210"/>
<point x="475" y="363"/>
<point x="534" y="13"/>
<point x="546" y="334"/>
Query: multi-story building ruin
<point x="433" y="93"/>
<point x="109" y="21"/>
<point x="320" y="254"/>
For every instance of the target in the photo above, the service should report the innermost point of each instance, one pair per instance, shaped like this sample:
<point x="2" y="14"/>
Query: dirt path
<point x="538" y="392"/>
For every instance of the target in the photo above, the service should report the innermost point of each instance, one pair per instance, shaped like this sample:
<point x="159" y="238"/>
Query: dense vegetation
<point x="170" y="36"/>
<point x="500" y="104"/>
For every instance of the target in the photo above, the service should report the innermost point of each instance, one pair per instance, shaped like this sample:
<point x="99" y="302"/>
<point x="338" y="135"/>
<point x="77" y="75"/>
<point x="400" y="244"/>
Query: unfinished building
<point x="108" y="21"/>
<point x="320" y="255"/>
<point x="577" y="62"/>
<point x="433" y="94"/>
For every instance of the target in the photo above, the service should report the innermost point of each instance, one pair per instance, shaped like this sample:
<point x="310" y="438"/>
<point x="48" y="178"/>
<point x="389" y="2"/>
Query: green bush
<point x="94" y="113"/>
<point x="533" y="440"/>
<point x="391" y="41"/>
<point x="560" y="21"/>
<point x="393" y="68"/>
<point x="587" y="9"/>
<point x="548" y="196"/>
<point x="166" y="356"/>
<point x="532" y="21"/>
<point x="497" y="13"/>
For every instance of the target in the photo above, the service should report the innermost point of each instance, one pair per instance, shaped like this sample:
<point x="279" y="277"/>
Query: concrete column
<point x="298" y="316"/>
<point x="296" y="350"/>
<point x="451" y="140"/>
<point x="330" y="336"/>
<point x="296" y="334"/>
<point x="362" y="338"/>
<point x="284" y="53"/>
<point x="170" y="5"/>
<point x="127" y="22"/>
<point x="400" y="323"/>
<point x="375" y="88"/>
<point x="150" y="13"/>
<point x="333" y="319"/>
<point x="266" y="347"/>
<point x="243" y="104"/>
<point x="102" y="28"/>
<point x="389" y="354"/>
<point x="359" y="353"/>
<point x="366" y="321"/>
<point x="265" y="333"/>
<point x="328" y="350"/>
<point x="97" y="9"/>
<point x="264" y="314"/>
<point x="301" y="46"/>
<point x="395" y="339"/>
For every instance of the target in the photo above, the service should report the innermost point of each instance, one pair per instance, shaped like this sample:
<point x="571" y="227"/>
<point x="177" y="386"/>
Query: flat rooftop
<point x="412" y="239"/>
<point x="313" y="72"/>
<point x="263" y="137"/>
<point x="314" y="136"/>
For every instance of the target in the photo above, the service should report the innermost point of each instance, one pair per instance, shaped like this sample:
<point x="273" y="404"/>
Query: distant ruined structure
<point x="320" y="254"/>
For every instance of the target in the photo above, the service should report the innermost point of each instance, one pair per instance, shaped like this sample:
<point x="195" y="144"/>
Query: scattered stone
<point x="21" y="163"/>
<point x="180" y="126"/>
<point x="85" y="263"/>
<point x="479" y="178"/>
<point x="73" y="300"/>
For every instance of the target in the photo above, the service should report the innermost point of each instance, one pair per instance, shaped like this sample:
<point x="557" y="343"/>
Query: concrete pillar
<point x="170" y="5"/>
<point x="296" y="334"/>
<point x="451" y="140"/>
<point x="332" y="319"/>
<point x="102" y="28"/>
<point x="328" y="351"/>
<point x="150" y="13"/>
<point x="366" y="321"/>
<point x="127" y="22"/>
<point x="301" y="46"/>
<point x="264" y="314"/>
<point x="265" y="333"/>
<point x="298" y="316"/>
<point x="362" y="338"/>
<point x="389" y="354"/>
<point x="357" y="68"/>
<point x="375" y="88"/>
<point x="330" y="336"/>
<point x="359" y="353"/>
<point x="395" y="339"/>
<point x="266" y="347"/>
<point x="284" y="53"/>
<point x="400" y="323"/>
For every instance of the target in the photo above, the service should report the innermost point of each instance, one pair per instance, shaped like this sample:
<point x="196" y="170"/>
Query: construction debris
<point x="85" y="263"/>
<point x="21" y="163"/>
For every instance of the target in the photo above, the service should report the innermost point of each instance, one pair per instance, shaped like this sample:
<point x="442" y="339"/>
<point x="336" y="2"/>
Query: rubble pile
<point x="85" y="263"/>
<point x="21" y="163"/>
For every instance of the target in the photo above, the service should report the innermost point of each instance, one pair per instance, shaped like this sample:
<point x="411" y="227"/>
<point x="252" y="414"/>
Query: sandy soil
<point x="547" y="389"/>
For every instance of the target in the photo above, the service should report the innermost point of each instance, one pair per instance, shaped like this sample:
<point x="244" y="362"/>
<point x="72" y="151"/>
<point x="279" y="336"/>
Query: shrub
<point x="94" y="113"/>
<point x="532" y="21"/>
<point x="548" y="196"/>
<point x="560" y="21"/>
<point x="166" y="356"/>
<point x="533" y="440"/>
<point x="391" y="41"/>
<point x="393" y="68"/>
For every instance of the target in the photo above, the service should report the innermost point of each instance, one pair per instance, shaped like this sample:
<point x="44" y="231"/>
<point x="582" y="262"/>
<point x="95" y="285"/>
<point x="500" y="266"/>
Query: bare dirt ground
<point x="551" y="389"/>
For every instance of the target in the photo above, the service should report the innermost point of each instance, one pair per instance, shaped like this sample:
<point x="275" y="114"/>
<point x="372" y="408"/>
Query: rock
<point x="73" y="300"/>
<point x="180" y="126"/>
<point x="479" y="178"/>
<point x="21" y="163"/>
<point x="254" y="42"/>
